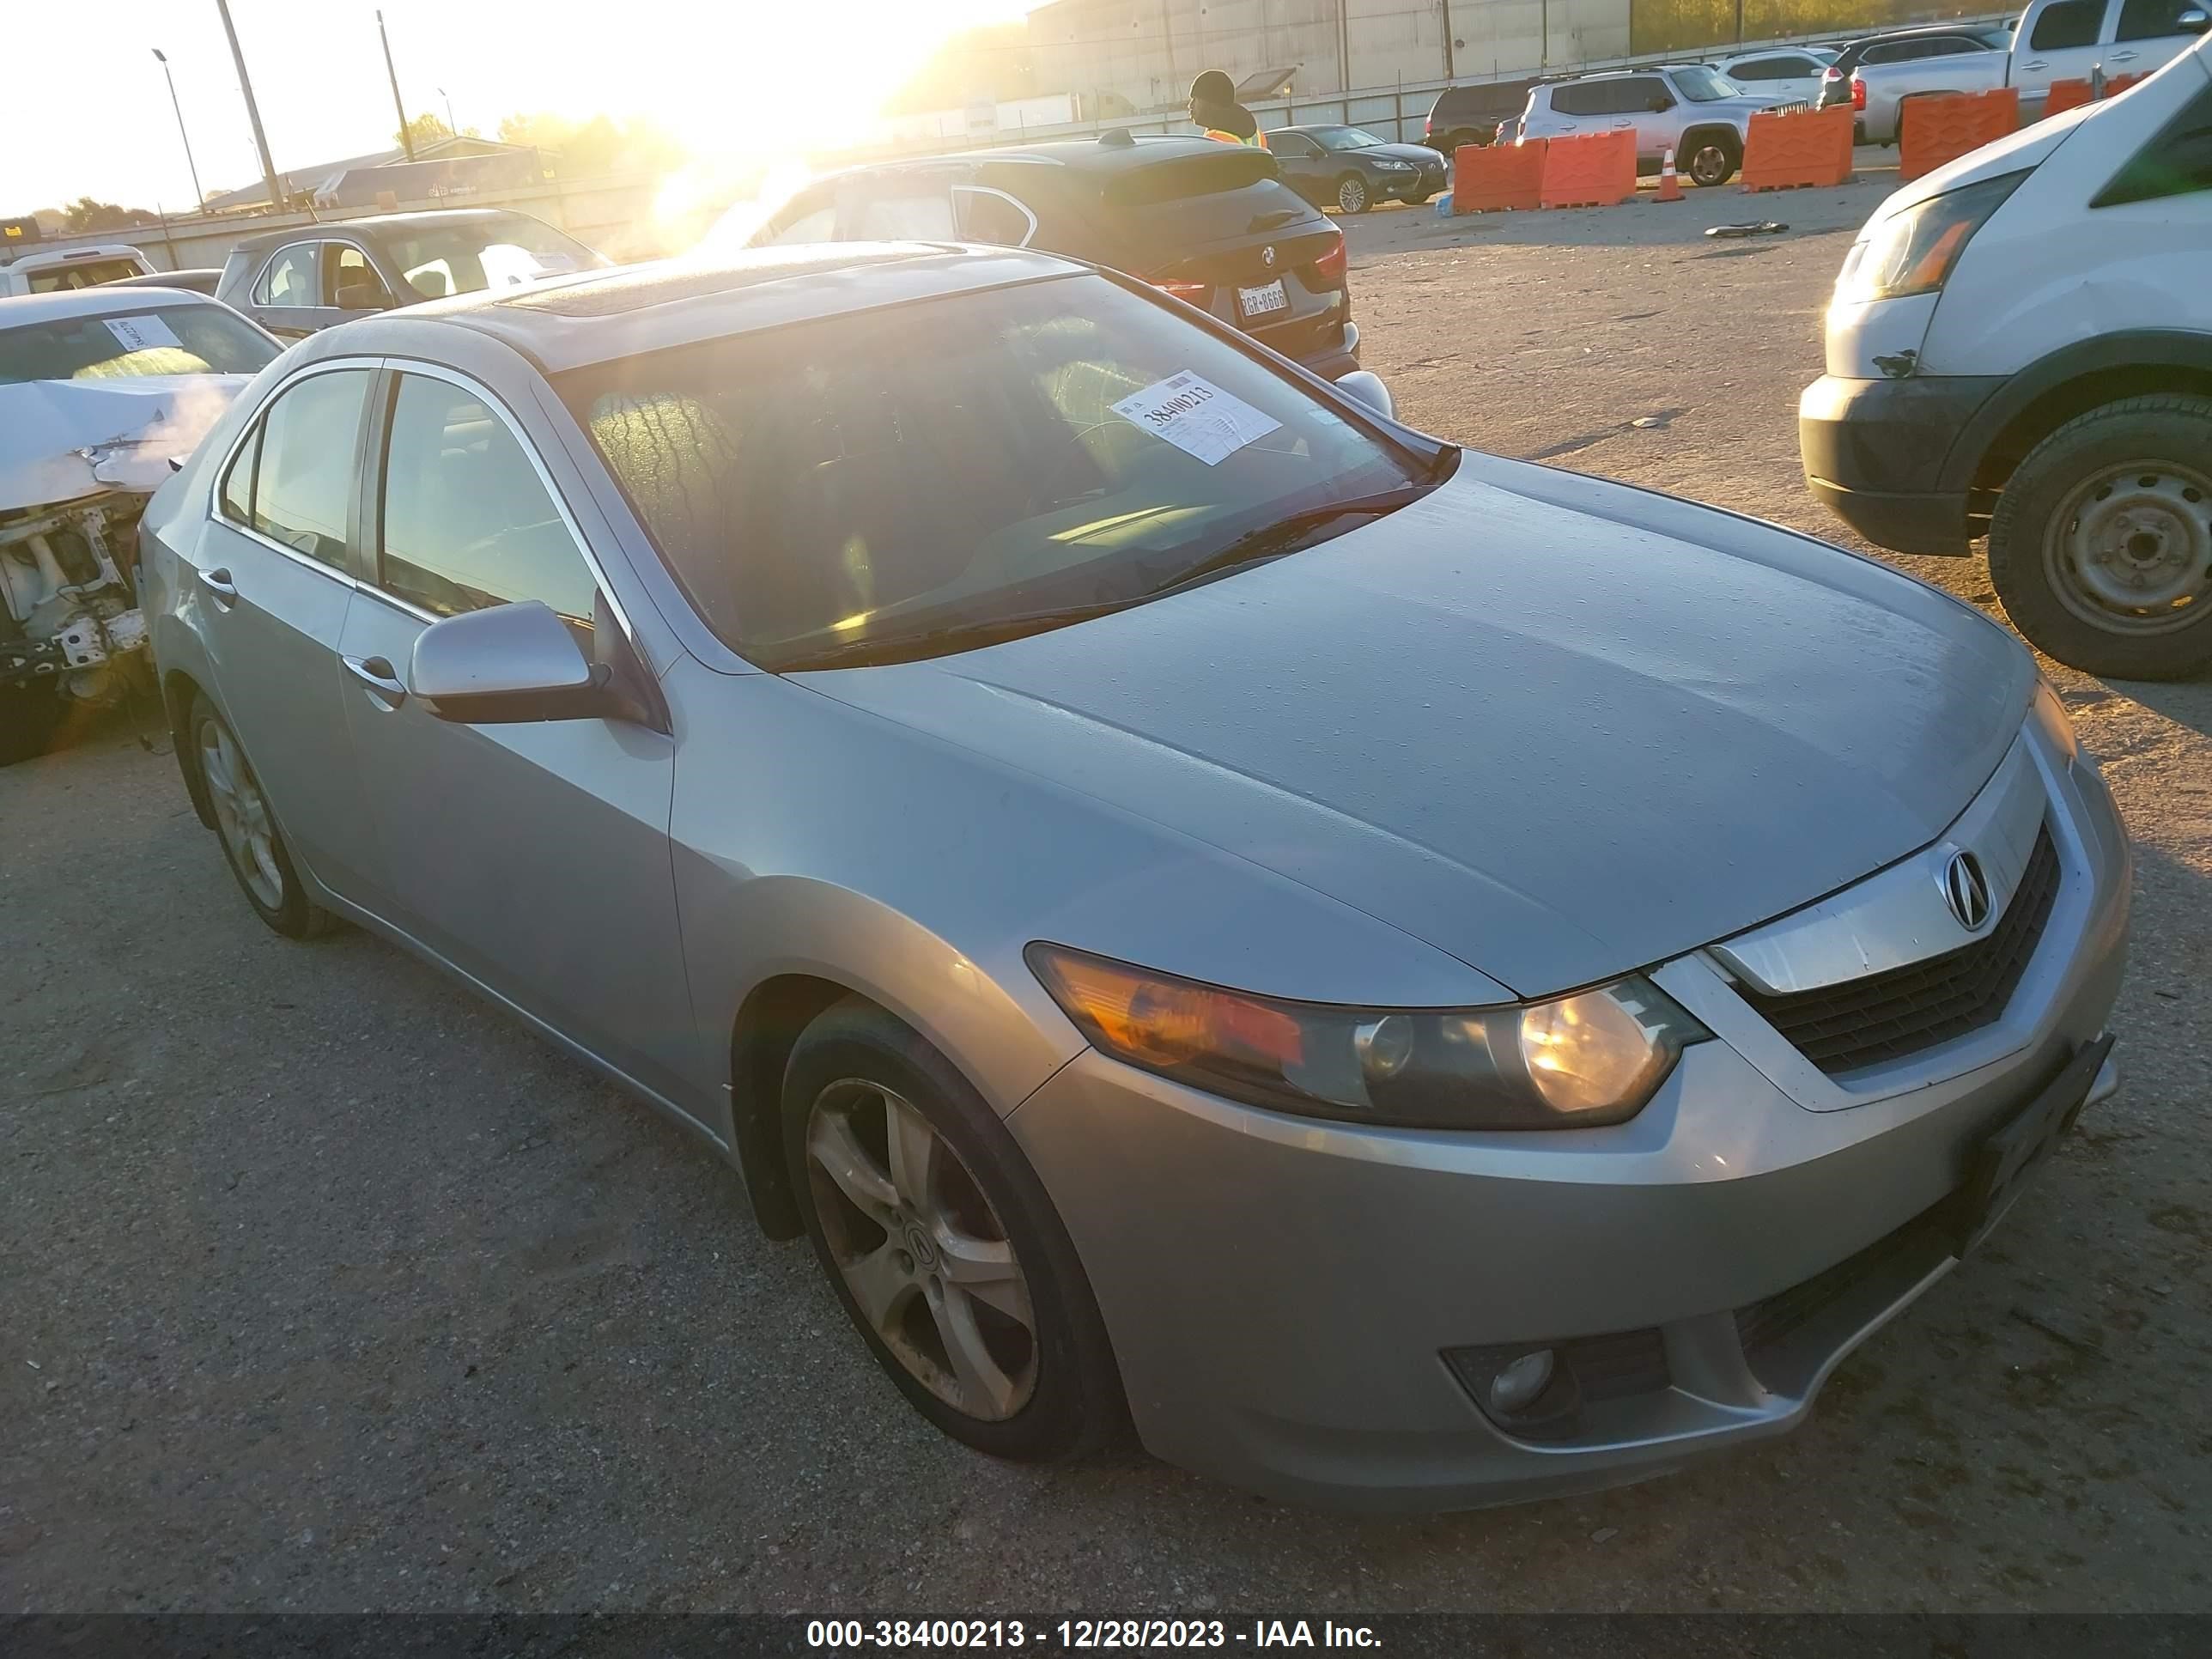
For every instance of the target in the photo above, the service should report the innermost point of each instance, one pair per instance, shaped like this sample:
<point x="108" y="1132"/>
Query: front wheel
<point x="1713" y="160"/>
<point x="251" y="844"/>
<point x="1352" y="193"/>
<point x="2101" y="543"/>
<point x="941" y="1242"/>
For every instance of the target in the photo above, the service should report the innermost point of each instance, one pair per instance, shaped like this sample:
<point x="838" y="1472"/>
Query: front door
<point x="2064" y="43"/>
<point x="272" y="571"/>
<point x="534" y="858"/>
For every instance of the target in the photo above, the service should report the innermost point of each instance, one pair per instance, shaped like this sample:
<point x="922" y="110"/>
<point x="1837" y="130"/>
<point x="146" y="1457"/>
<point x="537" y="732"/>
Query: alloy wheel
<point x="1351" y="196"/>
<point x="925" y="1257"/>
<point x="1709" y="166"/>
<point x="2130" y="549"/>
<point x="241" y="814"/>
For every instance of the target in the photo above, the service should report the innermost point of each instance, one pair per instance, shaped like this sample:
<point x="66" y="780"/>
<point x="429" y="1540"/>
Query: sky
<point x="88" y="114"/>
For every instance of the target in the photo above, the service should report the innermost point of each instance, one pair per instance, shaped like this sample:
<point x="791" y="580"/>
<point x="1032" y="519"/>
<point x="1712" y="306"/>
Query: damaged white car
<point x="99" y="390"/>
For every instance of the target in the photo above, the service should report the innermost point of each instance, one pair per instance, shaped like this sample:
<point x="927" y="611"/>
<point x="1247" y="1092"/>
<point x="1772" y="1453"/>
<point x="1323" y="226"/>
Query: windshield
<point x="185" y="339"/>
<point x="1701" y="83"/>
<point x="500" y="253"/>
<point x="868" y="479"/>
<point x="1344" y="138"/>
<point x="82" y="273"/>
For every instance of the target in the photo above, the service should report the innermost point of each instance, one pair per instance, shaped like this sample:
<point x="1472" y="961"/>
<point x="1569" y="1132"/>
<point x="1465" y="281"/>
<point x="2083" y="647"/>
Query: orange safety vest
<point x="1258" y="140"/>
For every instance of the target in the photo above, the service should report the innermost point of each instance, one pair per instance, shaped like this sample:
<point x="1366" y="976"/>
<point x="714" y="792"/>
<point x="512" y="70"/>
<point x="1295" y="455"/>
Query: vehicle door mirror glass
<point x="1368" y="389"/>
<point x="506" y="666"/>
<point x="2192" y="22"/>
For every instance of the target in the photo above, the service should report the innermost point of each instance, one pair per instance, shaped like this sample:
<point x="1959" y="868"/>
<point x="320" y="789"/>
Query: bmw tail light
<point x="1330" y="267"/>
<point x="1195" y="293"/>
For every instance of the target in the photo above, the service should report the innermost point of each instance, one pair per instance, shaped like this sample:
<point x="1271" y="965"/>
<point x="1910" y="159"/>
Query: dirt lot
<point x="322" y="1287"/>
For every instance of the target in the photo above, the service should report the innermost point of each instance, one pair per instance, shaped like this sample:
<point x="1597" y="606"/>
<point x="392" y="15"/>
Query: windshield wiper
<point x="1292" y="531"/>
<point x="954" y="636"/>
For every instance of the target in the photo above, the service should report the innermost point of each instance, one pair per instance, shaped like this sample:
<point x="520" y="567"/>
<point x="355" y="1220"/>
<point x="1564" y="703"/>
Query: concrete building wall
<point x="1147" y="51"/>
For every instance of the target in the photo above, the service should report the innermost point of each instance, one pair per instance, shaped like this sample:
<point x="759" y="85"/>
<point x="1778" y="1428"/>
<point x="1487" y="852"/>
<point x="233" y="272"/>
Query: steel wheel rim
<point x="920" y="1250"/>
<point x="1351" y="196"/>
<point x="1709" y="164"/>
<point x="242" y="815"/>
<point x="2130" y="549"/>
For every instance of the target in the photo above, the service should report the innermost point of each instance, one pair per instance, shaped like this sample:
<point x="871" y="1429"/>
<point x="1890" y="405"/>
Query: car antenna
<point x="1117" y="138"/>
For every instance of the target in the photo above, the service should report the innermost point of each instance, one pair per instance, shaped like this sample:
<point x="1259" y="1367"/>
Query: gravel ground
<point x="323" y="1288"/>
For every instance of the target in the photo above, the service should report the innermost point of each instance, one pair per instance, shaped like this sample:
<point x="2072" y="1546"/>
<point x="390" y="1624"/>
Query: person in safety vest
<point x="1214" y="107"/>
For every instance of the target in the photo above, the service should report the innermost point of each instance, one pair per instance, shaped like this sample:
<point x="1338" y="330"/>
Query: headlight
<point x="1594" y="1057"/>
<point x="1913" y="252"/>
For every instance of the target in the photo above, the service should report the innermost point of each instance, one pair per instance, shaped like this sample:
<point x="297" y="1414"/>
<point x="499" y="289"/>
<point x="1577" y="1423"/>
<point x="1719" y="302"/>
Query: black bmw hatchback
<point x="1213" y="224"/>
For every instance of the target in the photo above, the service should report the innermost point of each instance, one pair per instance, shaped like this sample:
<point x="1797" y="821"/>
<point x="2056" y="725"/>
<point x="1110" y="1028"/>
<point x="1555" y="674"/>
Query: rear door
<point x="272" y="582"/>
<point x="1632" y="99"/>
<point x="534" y="858"/>
<point x="2063" y="41"/>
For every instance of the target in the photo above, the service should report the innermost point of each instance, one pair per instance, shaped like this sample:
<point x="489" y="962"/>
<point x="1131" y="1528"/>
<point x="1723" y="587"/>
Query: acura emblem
<point x="1268" y="257"/>
<point x="1967" y="890"/>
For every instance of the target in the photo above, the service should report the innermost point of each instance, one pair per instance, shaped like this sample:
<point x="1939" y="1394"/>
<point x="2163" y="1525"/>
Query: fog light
<point x="1520" y="1383"/>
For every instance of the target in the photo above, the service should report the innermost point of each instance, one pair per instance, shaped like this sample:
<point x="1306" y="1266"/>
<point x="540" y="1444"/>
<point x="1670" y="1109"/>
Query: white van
<point x="2019" y="346"/>
<point x="57" y="269"/>
<point x="2065" y="40"/>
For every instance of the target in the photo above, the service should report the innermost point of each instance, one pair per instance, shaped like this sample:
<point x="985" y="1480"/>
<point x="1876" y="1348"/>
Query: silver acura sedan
<point x="1417" y="979"/>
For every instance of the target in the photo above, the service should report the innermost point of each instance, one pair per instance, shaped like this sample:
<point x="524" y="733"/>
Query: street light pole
<point x="199" y="196"/>
<point x="406" y="138"/>
<point x="252" y="111"/>
<point x="448" y="97"/>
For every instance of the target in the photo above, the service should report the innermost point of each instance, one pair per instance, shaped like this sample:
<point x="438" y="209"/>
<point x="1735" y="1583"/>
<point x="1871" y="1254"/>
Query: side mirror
<point x="2192" y="22"/>
<point x="506" y="666"/>
<point x="1368" y="389"/>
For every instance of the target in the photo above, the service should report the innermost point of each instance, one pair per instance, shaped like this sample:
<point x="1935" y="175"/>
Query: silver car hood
<point x="1556" y="743"/>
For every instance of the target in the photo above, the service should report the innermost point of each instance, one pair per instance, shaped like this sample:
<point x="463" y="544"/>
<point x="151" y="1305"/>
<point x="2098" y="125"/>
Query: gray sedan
<point x="1417" y="979"/>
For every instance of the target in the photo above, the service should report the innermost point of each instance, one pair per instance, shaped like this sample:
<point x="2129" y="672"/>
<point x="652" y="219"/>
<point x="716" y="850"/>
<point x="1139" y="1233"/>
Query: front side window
<point x="303" y="483"/>
<point x="238" y="484"/>
<point x="921" y="211"/>
<point x="500" y="251"/>
<point x="2068" y="23"/>
<point x="290" y="278"/>
<point x="467" y="521"/>
<point x="1766" y="69"/>
<point x="351" y="282"/>
<point x="1295" y="145"/>
<point x="2149" y="19"/>
<point x="878" y="483"/>
<point x="1702" y="84"/>
<point x="174" y="339"/>
<point x="1342" y="138"/>
<point x="811" y="217"/>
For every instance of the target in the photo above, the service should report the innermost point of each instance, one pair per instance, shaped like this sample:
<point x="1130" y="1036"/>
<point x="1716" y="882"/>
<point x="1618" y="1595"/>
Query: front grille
<point x="1889" y="1015"/>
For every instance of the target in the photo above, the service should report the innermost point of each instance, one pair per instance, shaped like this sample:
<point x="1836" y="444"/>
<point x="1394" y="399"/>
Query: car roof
<point x="37" y="254"/>
<point x="1105" y="155"/>
<point x="432" y="220"/>
<point x="596" y="316"/>
<point x="102" y="299"/>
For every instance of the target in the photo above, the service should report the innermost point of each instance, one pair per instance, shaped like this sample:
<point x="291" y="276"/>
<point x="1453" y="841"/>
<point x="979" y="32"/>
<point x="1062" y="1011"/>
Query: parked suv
<point x="1906" y="46"/>
<point x="2064" y="39"/>
<point x="1471" y="115"/>
<point x="1211" y="224"/>
<point x="2021" y="347"/>
<point x="1689" y="108"/>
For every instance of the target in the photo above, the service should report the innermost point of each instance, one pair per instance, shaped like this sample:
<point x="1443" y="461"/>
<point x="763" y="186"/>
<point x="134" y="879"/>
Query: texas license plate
<point x="2002" y="1164"/>
<point x="1259" y="301"/>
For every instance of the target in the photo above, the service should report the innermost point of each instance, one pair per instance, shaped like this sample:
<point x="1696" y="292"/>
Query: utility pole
<point x="1448" y="40"/>
<point x="406" y="138"/>
<point x="448" y="97"/>
<point x="198" y="195"/>
<point x="252" y="111"/>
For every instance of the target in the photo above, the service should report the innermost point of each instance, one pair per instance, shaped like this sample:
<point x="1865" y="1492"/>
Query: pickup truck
<point x="1917" y="65"/>
<point x="38" y="269"/>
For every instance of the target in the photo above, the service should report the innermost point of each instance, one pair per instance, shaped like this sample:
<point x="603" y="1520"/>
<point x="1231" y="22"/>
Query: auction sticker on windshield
<point x="1197" y="417"/>
<point x="142" y="332"/>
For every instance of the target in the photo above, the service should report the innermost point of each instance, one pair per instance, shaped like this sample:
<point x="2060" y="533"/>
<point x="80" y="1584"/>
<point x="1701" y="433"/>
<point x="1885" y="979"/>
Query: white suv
<point x="2019" y="346"/>
<point x="1689" y="108"/>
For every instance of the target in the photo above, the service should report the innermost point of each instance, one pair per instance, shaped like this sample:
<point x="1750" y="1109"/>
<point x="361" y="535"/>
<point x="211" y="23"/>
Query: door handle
<point x="218" y="582"/>
<point x="2037" y="64"/>
<point x="2121" y="56"/>
<point x="375" y="673"/>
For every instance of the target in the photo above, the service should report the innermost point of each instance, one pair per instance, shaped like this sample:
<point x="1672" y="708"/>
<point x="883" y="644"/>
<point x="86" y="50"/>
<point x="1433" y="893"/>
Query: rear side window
<point x="1174" y="178"/>
<point x="303" y="483"/>
<point x="2148" y="20"/>
<point x="2068" y="23"/>
<point x="290" y="278"/>
<point x="982" y="214"/>
<point x="1583" y="97"/>
<point x="1771" y="68"/>
<point x="2177" y="161"/>
<point x="917" y="213"/>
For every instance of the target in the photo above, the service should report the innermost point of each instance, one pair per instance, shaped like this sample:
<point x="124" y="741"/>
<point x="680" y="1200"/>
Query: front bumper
<point x="1282" y="1293"/>
<point x="1874" y="453"/>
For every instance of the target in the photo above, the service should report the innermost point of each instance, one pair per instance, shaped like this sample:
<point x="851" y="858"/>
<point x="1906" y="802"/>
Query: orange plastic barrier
<point x="1497" y="178"/>
<point x="2064" y="95"/>
<point x="1940" y="129"/>
<point x="1598" y="170"/>
<point x="1789" y="151"/>
<point x="2120" y="83"/>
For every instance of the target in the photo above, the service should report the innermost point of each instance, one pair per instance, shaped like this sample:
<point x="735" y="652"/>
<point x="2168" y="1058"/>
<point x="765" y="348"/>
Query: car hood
<point x="1557" y="744"/>
<point x="64" y="439"/>
<point x="2016" y="152"/>
<point x="1419" y="154"/>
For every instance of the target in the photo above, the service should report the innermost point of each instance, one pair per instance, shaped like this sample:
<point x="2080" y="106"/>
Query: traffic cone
<point x="1670" y="187"/>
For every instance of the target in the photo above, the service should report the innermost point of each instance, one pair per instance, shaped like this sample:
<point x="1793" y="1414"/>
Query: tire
<point x="30" y="716"/>
<point x="1712" y="159"/>
<point x="1050" y="1390"/>
<point x="2114" y="507"/>
<point x="1352" y="194"/>
<point x="1464" y="137"/>
<point x="251" y="844"/>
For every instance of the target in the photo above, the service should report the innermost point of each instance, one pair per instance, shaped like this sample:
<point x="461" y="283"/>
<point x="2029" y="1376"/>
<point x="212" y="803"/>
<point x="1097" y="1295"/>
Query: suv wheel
<point x="1352" y="193"/>
<point x="1464" y="136"/>
<point x="2101" y="543"/>
<point x="1713" y="158"/>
